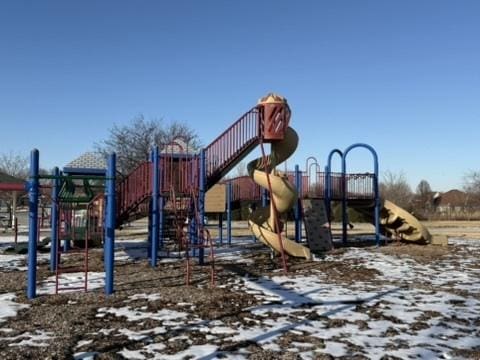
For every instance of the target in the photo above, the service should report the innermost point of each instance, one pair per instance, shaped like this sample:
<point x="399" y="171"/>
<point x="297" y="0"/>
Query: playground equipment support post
<point x="33" y="224"/>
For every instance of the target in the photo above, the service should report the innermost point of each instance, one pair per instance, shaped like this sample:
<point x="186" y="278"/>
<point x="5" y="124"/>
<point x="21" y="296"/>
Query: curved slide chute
<point x="263" y="222"/>
<point x="401" y="223"/>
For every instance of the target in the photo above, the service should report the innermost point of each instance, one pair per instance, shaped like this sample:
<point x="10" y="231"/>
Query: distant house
<point x="88" y="160"/>
<point x="8" y="197"/>
<point x="5" y="178"/>
<point x="452" y="202"/>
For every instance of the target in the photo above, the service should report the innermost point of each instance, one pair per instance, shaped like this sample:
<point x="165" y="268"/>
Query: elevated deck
<point x="359" y="187"/>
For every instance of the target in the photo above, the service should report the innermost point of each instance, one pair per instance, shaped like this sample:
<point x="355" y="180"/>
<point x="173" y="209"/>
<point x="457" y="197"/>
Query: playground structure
<point x="265" y="222"/>
<point x="14" y="188"/>
<point x="171" y="190"/>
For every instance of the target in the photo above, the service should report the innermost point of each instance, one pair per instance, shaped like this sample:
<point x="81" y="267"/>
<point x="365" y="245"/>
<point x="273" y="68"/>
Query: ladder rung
<point x="74" y="251"/>
<point x="70" y="269"/>
<point x="72" y="288"/>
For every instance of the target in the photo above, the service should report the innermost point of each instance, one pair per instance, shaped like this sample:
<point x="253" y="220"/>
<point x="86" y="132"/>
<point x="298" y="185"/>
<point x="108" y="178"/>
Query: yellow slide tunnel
<point x="262" y="222"/>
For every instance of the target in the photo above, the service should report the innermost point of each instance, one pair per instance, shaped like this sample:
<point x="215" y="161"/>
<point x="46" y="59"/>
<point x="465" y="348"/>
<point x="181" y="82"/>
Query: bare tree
<point x="395" y="188"/>
<point x="14" y="164"/>
<point x="471" y="185"/>
<point x="176" y="130"/>
<point x="471" y="182"/>
<point x="424" y="197"/>
<point x="133" y="142"/>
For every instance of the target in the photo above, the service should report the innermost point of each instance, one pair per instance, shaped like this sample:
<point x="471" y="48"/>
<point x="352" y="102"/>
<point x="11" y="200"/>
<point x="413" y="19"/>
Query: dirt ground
<point x="72" y="319"/>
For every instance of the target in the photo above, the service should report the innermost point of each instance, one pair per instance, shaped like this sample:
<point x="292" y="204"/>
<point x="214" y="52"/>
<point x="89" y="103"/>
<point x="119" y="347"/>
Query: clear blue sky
<point x="403" y="76"/>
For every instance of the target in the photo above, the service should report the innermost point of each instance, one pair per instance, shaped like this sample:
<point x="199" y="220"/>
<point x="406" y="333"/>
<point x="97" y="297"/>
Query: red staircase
<point x="181" y="174"/>
<point x="133" y="191"/>
<point x="232" y="146"/>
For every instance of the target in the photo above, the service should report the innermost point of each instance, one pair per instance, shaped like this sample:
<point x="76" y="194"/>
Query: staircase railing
<point x="220" y="156"/>
<point x="227" y="149"/>
<point x="133" y="190"/>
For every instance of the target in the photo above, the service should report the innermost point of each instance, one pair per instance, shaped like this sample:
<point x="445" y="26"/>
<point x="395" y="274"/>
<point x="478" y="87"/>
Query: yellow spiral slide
<point x="263" y="222"/>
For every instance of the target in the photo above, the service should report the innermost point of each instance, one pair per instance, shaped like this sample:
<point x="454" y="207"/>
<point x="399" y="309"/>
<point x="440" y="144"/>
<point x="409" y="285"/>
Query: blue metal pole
<point x="201" y="205"/>
<point x="328" y="182"/>
<point x="32" y="225"/>
<point x="298" y="205"/>
<point x="193" y="234"/>
<point x="377" y="207"/>
<point x="229" y="213"/>
<point x="377" y="197"/>
<point x="220" y="228"/>
<point x="264" y="197"/>
<point x="375" y="189"/>
<point x="344" y="199"/>
<point x="155" y="208"/>
<point x="54" y="220"/>
<point x="109" y="246"/>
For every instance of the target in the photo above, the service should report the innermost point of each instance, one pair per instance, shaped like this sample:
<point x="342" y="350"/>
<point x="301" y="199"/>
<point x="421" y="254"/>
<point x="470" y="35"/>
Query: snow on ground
<point x="36" y="338"/>
<point x="8" y="240"/>
<point x="72" y="282"/>
<point x="18" y="262"/>
<point x="410" y="310"/>
<point x="8" y="306"/>
<point x="9" y="309"/>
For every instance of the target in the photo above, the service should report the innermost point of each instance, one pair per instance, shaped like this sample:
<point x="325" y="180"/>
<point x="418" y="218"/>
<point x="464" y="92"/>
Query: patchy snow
<point x="9" y="240"/>
<point x="148" y="297"/>
<point x="37" y="338"/>
<point x="407" y="309"/>
<point x="335" y="348"/>
<point x="410" y="309"/>
<point x="132" y="314"/>
<point x="83" y="343"/>
<point x="9" y="308"/>
<point x="17" y="262"/>
<point x="72" y="282"/>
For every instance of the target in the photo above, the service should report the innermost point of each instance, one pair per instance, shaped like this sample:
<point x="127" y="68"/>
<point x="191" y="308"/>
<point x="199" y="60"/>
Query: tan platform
<point x="215" y="199"/>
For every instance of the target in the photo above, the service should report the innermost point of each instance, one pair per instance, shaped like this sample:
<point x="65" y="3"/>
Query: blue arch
<point x="328" y="181"/>
<point x="375" y="189"/>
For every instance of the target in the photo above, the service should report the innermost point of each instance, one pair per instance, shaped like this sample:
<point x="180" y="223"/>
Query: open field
<point x="394" y="302"/>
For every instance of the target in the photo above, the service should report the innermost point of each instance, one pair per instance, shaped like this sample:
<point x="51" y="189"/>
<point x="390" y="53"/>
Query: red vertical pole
<point x="73" y="225"/>
<point x="87" y="239"/>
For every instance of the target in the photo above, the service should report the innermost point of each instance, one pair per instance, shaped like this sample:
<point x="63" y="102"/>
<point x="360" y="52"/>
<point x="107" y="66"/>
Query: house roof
<point x="453" y="198"/>
<point x="5" y="178"/>
<point x="88" y="160"/>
